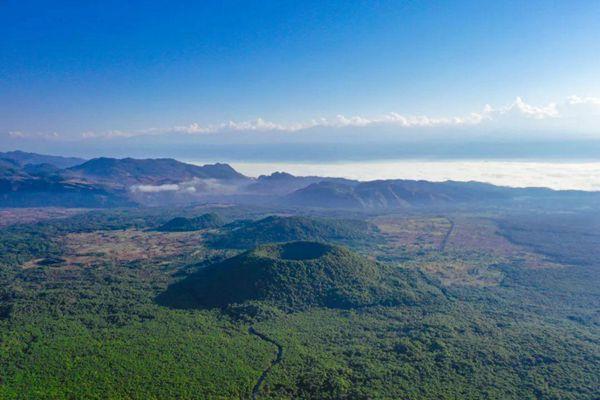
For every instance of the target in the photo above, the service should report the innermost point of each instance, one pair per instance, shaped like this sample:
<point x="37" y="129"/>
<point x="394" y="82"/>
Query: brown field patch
<point x="464" y="255"/>
<point x="122" y="246"/>
<point x="413" y="234"/>
<point x="11" y="216"/>
<point x="482" y="235"/>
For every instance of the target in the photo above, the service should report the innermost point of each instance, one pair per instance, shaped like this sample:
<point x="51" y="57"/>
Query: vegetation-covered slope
<point x="132" y="171"/>
<point x="86" y="326"/>
<point x="399" y="194"/>
<point x="297" y="275"/>
<point x="284" y="229"/>
<point x="182" y="224"/>
<point x="49" y="192"/>
<point x="23" y="158"/>
<point x="566" y="238"/>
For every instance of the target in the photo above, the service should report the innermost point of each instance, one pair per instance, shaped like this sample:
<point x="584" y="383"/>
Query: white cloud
<point x="194" y="186"/>
<point x="556" y="175"/>
<point x="119" y="134"/>
<point x="155" y="188"/>
<point x="515" y="111"/>
<point x="584" y="109"/>
<point x="16" y="134"/>
<point x="574" y="114"/>
<point x="258" y="124"/>
<point x="36" y="135"/>
<point x="521" y="108"/>
<point x="576" y="100"/>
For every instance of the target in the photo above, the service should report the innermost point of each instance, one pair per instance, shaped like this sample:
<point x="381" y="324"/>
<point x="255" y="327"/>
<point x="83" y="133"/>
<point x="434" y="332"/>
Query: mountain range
<point x="28" y="179"/>
<point x="129" y="171"/>
<point x="23" y="158"/>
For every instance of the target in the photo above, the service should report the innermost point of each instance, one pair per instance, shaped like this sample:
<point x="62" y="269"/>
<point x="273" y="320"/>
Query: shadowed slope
<point x="298" y="275"/>
<point x="277" y="229"/>
<point x="182" y="224"/>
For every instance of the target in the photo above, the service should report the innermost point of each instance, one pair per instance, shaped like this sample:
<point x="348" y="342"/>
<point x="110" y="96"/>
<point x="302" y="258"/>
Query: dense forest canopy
<point x="464" y="304"/>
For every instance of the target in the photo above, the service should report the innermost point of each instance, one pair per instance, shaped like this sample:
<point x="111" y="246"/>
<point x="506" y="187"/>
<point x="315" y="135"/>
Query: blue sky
<point x="93" y="71"/>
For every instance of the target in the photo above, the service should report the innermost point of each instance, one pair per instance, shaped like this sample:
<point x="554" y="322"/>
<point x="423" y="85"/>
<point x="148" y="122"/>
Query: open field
<point x="413" y="235"/>
<point x="458" y="250"/>
<point x="10" y="216"/>
<point x="82" y="250"/>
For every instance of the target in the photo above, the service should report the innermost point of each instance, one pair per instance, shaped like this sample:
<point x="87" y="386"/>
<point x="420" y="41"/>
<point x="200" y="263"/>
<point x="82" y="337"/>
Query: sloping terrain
<point x="565" y="238"/>
<point x="107" y="182"/>
<point x="28" y="191"/>
<point x="10" y="168"/>
<point x="182" y="224"/>
<point x="23" y="158"/>
<point x="129" y="171"/>
<point x="394" y="194"/>
<point x="403" y="194"/>
<point x="78" y="296"/>
<point x="282" y="183"/>
<point x="298" y="275"/>
<point x="248" y="234"/>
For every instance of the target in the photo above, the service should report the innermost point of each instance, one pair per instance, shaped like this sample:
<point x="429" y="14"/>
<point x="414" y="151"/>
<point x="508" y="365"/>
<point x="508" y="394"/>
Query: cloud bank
<point x="518" y="114"/>
<point x="578" y="115"/>
<point x="196" y="185"/>
<point x="555" y="175"/>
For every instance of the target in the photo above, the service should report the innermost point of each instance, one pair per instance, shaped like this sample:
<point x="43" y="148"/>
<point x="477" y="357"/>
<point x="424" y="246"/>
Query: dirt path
<point x="447" y="236"/>
<point x="277" y="360"/>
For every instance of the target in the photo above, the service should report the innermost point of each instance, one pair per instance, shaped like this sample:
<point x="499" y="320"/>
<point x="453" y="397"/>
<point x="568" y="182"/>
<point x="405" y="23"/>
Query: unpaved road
<point x="277" y="360"/>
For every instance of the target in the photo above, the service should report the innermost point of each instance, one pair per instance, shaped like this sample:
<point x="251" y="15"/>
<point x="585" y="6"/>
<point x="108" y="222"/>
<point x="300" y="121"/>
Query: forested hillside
<point x="102" y="304"/>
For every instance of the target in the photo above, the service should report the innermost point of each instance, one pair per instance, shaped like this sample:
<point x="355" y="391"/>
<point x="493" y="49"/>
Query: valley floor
<point x="519" y="319"/>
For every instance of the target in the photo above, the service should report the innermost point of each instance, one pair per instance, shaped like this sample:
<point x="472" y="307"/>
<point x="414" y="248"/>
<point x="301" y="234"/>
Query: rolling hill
<point x="298" y="275"/>
<point x="182" y="224"/>
<point x="272" y="229"/>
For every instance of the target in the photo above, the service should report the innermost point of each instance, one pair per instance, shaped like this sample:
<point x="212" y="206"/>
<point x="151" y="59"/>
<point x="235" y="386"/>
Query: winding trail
<point x="277" y="360"/>
<point x="447" y="236"/>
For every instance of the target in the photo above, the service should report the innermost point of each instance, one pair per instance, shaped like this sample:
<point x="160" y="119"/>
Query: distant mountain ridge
<point x="99" y="182"/>
<point x="117" y="182"/>
<point x="51" y="192"/>
<point x="23" y="158"/>
<point x="9" y="168"/>
<point x="281" y="183"/>
<point x="150" y="171"/>
<point x="390" y="194"/>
